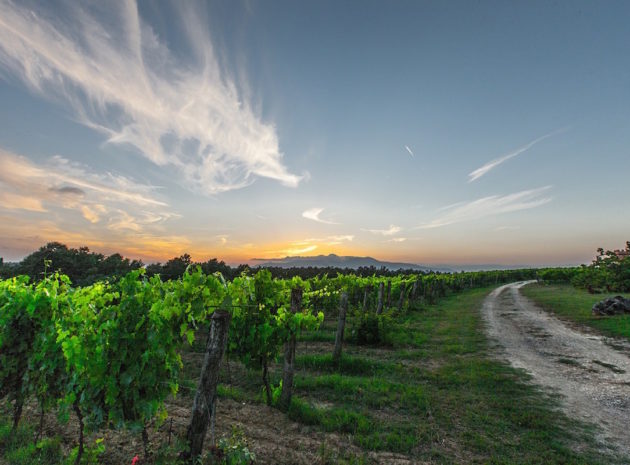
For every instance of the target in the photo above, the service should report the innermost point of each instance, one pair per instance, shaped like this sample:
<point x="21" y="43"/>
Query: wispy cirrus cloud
<point x="93" y="213"/>
<point x="12" y="201"/>
<point x="327" y="240"/>
<point x="479" y="172"/>
<point x="313" y="214"/>
<point x="393" y="229"/>
<point x="490" y="206"/>
<point x="409" y="151"/>
<point x="119" y="77"/>
<point x="116" y="202"/>
<point x="299" y="250"/>
<point x="334" y="240"/>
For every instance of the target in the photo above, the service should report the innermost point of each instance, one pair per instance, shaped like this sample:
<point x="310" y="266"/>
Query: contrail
<point x="410" y="151"/>
<point x="474" y="175"/>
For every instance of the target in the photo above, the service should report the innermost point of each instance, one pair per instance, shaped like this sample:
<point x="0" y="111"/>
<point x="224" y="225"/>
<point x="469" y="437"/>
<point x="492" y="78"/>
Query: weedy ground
<point x="432" y="392"/>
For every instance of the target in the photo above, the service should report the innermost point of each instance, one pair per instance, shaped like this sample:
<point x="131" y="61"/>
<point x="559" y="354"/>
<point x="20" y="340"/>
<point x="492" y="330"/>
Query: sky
<point x="429" y="132"/>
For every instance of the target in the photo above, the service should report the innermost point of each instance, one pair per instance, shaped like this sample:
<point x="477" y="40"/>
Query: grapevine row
<point x="111" y="352"/>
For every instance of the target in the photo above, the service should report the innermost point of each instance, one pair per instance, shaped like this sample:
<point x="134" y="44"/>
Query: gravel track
<point x="592" y="372"/>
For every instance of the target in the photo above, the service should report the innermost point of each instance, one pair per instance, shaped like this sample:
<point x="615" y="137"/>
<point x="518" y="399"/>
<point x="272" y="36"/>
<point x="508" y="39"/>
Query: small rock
<point x="612" y="306"/>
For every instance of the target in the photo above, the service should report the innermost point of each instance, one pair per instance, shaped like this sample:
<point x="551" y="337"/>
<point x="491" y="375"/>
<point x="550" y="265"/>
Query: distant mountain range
<point x="332" y="260"/>
<point x="336" y="261"/>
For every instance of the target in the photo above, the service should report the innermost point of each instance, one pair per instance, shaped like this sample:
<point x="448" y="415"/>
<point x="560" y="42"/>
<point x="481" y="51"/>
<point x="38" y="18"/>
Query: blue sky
<point x="427" y="132"/>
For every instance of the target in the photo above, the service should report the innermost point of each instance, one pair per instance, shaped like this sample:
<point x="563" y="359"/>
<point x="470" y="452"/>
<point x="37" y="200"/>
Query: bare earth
<point x="591" y="372"/>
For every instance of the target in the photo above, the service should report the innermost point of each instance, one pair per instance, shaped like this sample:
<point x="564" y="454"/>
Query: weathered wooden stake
<point x="77" y="411"/>
<point x="365" y="297"/>
<point x="170" y="431"/>
<point x="389" y="294"/>
<point x="414" y="290"/>
<point x="17" y="410"/>
<point x="289" y="356"/>
<point x="265" y="378"/>
<point x="379" y="306"/>
<point x="402" y="297"/>
<point x="341" y="324"/>
<point x="206" y="391"/>
<point x="41" y="424"/>
<point x="145" y="442"/>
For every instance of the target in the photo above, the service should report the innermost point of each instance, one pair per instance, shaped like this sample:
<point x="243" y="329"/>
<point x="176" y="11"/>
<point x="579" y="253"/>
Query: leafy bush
<point x="610" y="271"/>
<point x="91" y="454"/>
<point x="371" y="329"/>
<point x="232" y="450"/>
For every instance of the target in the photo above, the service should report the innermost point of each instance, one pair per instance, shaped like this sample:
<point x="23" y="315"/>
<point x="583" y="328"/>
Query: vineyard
<point x="116" y="355"/>
<point x="111" y="353"/>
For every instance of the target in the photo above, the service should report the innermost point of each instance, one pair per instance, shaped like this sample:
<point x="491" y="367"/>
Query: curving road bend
<point x="591" y="372"/>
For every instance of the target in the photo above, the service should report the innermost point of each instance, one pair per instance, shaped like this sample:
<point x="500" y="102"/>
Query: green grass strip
<point x="575" y="305"/>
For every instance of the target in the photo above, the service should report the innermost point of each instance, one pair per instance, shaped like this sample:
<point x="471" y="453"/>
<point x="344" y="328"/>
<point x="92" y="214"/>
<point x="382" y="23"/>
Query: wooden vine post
<point x="402" y="296"/>
<point x="289" y="355"/>
<point x="341" y="324"/>
<point x="379" y="306"/>
<point x="414" y="290"/>
<point x="389" y="293"/>
<point x="205" y="396"/>
<point x="77" y="411"/>
<point x="368" y="288"/>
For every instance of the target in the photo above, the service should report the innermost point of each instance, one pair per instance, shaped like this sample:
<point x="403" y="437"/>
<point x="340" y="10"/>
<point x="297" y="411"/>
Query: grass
<point x="350" y="365"/>
<point x="439" y="396"/>
<point x="18" y="447"/>
<point x="575" y="305"/>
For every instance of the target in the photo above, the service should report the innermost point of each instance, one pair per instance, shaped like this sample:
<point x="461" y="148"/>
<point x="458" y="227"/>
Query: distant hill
<point x="336" y="261"/>
<point x="486" y="267"/>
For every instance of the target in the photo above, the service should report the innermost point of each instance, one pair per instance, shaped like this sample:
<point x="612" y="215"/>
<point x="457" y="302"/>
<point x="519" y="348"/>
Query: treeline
<point x="609" y="271"/>
<point x="82" y="266"/>
<point x="85" y="267"/>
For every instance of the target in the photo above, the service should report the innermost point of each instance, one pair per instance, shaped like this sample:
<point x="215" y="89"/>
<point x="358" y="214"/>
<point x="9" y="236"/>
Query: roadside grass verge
<point x="575" y="305"/>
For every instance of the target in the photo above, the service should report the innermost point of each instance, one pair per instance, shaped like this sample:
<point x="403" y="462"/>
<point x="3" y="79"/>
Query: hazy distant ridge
<point x="332" y="260"/>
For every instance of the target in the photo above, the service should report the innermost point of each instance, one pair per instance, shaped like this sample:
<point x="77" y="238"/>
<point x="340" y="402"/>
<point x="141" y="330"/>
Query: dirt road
<point x="591" y="372"/>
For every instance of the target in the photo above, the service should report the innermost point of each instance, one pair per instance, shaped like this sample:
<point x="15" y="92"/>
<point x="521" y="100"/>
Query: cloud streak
<point x="328" y="240"/>
<point x="410" y="151"/>
<point x="313" y="214"/>
<point x="393" y="229"/>
<point x="124" y="82"/>
<point x="479" y="172"/>
<point x="490" y="206"/>
<point x="114" y="201"/>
